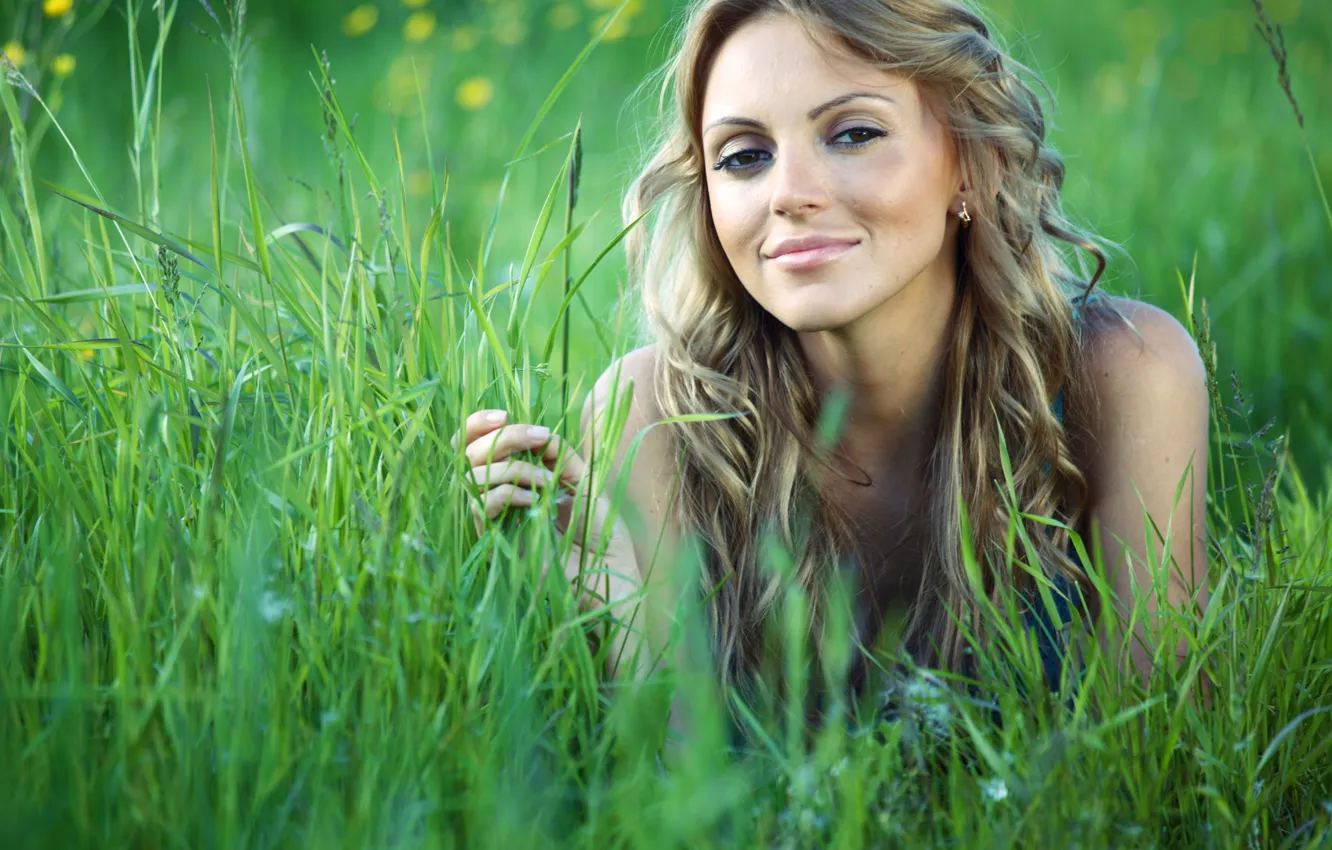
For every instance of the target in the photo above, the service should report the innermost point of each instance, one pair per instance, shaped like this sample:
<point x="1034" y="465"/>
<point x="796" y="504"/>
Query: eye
<point x="743" y="160"/>
<point x="749" y="158"/>
<point x="862" y="136"/>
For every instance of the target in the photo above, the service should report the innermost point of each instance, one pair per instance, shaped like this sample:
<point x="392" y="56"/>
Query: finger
<point x="480" y="423"/>
<point x="511" y="471"/>
<point x="559" y="455"/>
<point x="498" y="444"/>
<point x="507" y="496"/>
<point x="582" y="513"/>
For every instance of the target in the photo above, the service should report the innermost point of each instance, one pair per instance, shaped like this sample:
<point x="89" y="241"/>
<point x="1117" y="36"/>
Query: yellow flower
<point x="510" y="31"/>
<point x="401" y="90"/>
<point x="562" y="16"/>
<point x="475" y="93"/>
<point x="57" y="8"/>
<point x="1308" y="58"/>
<point x="463" y="39"/>
<point x="490" y="192"/>
<point x="1234" y="28"/>
<point x="414" y="4"/>
<point x="1180" y="80"/>
<point x="418" y="184"/>
<point x="1145" y="24"/>
<point x="618" y="29"/>
<point x="633" y="7"/>
<point x="15" y="53"/>
<point x="1283" y="11"/>
<point x="1203" y="40"/>
<point x="419" y="27"/>
<point x="360" y="20"/>
<point x="1110" y="88"/>
<point x="87" y="354"/>
<point x="64" y="65"/>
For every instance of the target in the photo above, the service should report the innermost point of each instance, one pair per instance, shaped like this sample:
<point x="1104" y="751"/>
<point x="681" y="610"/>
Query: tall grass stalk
<point x="1275" y="39"/>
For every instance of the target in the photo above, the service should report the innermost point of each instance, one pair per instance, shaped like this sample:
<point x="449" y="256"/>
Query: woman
<point x="858" y="194"/>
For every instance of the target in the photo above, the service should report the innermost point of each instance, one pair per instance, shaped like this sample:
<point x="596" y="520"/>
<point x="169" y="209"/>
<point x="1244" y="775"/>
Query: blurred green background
<point x="1179" y="142"/>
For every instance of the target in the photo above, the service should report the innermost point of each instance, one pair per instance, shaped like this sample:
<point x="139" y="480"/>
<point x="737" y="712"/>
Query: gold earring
<point x="965" y="216"/>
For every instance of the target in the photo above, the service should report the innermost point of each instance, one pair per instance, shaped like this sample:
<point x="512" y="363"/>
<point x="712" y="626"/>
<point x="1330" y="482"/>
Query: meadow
<point x="256" y="263"/>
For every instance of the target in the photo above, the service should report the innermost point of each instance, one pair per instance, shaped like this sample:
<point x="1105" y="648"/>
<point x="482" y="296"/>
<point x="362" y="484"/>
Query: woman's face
<point x="800" y="144"/>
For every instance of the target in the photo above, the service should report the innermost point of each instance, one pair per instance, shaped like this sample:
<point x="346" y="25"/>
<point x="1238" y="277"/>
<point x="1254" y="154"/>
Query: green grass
<point x="1179" y="144"/>
<point x="241" y="598"/>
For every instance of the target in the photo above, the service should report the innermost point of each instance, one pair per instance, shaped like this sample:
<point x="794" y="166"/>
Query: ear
<point x="956" y="206"/>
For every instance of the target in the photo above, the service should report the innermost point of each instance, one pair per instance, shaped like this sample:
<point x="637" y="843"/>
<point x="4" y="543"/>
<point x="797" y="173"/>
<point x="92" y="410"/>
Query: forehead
<point x="770" y="62"/>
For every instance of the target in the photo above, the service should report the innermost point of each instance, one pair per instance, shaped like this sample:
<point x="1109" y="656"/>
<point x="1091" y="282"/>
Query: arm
<point x="646" y="511"/>
<point x="1149" y="442"/>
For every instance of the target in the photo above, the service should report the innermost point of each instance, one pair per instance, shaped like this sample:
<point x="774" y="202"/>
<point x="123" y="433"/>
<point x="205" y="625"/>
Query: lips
<point x="793" y="245"/>
<point x="808" y="253"/>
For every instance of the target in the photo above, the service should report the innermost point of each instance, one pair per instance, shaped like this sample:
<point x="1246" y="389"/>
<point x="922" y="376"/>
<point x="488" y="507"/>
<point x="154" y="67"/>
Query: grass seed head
<point x="1276" y="42"/>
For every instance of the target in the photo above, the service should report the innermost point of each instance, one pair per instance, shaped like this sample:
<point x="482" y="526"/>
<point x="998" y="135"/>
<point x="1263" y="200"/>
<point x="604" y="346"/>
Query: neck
<point x="891" y="360"/>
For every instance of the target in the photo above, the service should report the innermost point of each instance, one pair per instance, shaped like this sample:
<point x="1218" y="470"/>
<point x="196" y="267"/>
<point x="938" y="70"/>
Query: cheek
<point x="738" y="220"/>
<point x="900" y="206"/>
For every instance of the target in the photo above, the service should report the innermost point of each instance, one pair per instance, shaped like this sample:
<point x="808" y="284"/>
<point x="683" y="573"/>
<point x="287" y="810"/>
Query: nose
<point x="799" y="182"/>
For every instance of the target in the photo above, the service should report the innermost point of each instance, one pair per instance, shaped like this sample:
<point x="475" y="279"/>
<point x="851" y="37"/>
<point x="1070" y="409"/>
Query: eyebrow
<point x="812" y="115"/>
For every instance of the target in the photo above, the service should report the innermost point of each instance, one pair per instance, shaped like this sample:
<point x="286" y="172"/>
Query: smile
<point x="809" y="258"/>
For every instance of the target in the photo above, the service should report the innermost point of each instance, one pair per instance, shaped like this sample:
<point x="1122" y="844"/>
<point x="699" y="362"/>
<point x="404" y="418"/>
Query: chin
<point x="815" y="320"/>
<point x="814" y="311"/>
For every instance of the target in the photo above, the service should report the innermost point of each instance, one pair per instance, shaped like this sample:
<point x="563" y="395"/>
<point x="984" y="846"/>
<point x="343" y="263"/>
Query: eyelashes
<point x="731" y="162"/>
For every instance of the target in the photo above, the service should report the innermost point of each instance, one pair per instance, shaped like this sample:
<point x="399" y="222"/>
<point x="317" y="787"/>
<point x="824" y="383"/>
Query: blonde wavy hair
<point x="1015" y="345"/>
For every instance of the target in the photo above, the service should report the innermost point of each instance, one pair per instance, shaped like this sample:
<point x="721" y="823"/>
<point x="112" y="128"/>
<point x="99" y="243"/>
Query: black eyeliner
<point x="874" y="132"/>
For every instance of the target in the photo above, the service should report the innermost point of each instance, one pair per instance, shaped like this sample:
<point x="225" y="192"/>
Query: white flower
<point x="415" y="543"/>
<point x="994" y="790"/>
<point x="273" y="607"/>
<point x="803" y="782"/>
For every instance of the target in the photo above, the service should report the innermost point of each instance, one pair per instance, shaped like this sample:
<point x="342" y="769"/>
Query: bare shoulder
<point x="1146" y="466"/>
<point x="652" y="471"/>
<point x="1145" y="358"/>
<point x="631" y="375"/>
<point x="1151" y="414"/>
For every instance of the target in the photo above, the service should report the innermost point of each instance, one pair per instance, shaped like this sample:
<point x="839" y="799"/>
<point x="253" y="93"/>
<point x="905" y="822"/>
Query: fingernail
<point x="538" y="433"/>
<point x="495" y="416"/>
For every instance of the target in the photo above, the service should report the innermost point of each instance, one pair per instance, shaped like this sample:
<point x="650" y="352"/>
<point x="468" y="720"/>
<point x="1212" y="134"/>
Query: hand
<point x="505" y="480"/>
